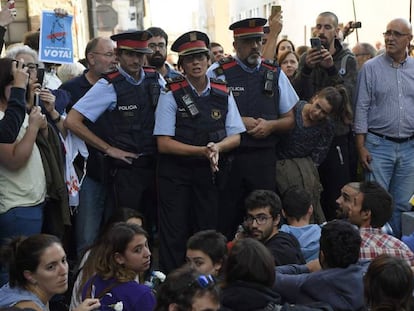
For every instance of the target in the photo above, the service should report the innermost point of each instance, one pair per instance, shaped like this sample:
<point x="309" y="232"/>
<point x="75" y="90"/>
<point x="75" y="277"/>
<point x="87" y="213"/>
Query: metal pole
<point x="355" y="19"/>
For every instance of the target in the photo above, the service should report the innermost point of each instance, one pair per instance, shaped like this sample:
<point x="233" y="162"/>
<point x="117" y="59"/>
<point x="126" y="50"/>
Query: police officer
<point x="126" y="99"/>
<point x="265" y="99"/>
<point x="196" y="121"/>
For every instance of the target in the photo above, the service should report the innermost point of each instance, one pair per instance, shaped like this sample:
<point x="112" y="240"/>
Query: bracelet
<point x="57" y="120"/>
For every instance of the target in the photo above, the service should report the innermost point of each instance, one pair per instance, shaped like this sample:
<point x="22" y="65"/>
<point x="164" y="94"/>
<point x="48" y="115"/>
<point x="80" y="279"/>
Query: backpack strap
<point x="342" y="70"/>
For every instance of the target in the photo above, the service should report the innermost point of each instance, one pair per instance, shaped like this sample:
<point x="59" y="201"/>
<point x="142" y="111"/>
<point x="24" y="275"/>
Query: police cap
<point x="248" y="28"/>
<point x="192" y="42"/>
<point x="136" y="41"/>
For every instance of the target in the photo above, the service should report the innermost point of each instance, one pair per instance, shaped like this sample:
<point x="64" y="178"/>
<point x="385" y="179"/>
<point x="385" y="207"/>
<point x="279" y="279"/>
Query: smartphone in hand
<point x="40" y="76"/>
<point x="316" y="43"/>
<point x="276" y="9"/>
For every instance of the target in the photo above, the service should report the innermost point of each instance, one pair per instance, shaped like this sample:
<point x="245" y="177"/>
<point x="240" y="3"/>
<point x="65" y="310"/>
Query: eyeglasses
<point x="107" y="54"/>
<point x="203" y="281"/>
<point x="190" y="58"/>
<point x="160" y="46"/>
<point x="260" y="219"/>
<point x="32" y="66"/>
<point x="395" y="34"/>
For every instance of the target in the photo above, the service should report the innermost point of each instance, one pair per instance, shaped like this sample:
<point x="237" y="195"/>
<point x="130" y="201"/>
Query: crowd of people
<point x="240" y="171"/>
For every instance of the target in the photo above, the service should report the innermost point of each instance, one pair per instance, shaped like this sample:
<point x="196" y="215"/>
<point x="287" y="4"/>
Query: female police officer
<point x="196" y="120"/>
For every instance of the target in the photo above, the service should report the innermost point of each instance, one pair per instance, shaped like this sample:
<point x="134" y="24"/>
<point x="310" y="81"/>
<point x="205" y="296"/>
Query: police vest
<point x="132" y="121"/>
<point x="205" y="121"/>
<point x="256" y="95"/>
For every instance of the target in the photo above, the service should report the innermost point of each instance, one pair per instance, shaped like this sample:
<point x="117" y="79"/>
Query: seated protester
<point x="301" y="151"/>
<point x="38" y="271"/>
<point x="187" y="290"/>
<point x="339" y="282"/>
<point x="369" y="206"/>
<point x="124" y="256"/>
<point x="87" y="266"/>
<point x="248" y="280"/>
<point x="207" y="252"/>
<point x="388" y="284"/>
<point x="248" y="277"/>
<point x="297" y="209"/>
<point x="263" y="208"/>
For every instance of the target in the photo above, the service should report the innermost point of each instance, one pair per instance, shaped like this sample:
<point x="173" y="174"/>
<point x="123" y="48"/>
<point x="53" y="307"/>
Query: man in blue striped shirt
<point x="384" y="119"/>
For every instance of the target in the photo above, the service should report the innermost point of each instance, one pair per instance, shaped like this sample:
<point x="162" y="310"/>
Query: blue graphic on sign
<point x="56" y="45"/>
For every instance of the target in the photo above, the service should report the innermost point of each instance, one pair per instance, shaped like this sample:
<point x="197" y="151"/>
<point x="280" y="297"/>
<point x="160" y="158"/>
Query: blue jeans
<point x="393" y="168"/>
<point x="90" y="214"/>
<point x="17" y="221"/>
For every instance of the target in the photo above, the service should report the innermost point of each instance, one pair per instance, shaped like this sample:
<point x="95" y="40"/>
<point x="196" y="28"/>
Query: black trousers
<point x="334" y="173"/>
<point x="188" y="202"/>
<point x="252" y="169"/>
<point x="133" y="186"/>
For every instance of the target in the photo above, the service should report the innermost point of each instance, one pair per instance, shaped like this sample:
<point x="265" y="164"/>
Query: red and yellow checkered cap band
<point x="192" y="46"/>
<point x="131" y="44"/>
<point x="248" y="31"/>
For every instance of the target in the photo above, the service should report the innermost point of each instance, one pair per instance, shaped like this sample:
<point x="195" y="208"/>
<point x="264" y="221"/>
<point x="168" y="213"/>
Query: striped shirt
<point x="385" y="97"/>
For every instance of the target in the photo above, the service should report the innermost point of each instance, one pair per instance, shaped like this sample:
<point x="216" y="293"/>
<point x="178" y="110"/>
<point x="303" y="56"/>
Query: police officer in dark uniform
<point x="126" y="99"/>
<point x="196" y="121"/>
<point x="265" y="99"/>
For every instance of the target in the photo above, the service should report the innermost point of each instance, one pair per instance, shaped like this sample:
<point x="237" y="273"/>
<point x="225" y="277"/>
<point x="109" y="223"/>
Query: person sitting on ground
<point x="87" y="265"/>
<point x="187" y="290"/>
<point x="263" y="213"/>
<point x="297" y="209"/>
<point x="339" y="282"/>
<point x="388" y="284"/>
<point x="369" y="206"/>
<point x="38" y="270"/>
<point x="123" y="257"/>
<point x="207" y="252"/>
<point x="248" y="280"/>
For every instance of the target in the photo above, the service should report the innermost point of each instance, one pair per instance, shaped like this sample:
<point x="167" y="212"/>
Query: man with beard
<point x="158" y="44"/>
<point x="330" y="65"/>
<point x="263" y="212"/>
<point x="265" y="99"/>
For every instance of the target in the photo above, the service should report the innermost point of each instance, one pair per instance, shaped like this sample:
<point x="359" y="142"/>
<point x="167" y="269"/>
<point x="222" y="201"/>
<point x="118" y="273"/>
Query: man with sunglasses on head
<point x="384" y="118"/>
<point x="263" y="214"/>
<point x="125" y="101"/>
<point x="265" y="99"/>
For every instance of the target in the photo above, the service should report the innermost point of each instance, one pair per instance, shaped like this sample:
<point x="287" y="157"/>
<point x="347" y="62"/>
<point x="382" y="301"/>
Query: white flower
<point x="119" y="306"/>
<point x="159" y="275"/>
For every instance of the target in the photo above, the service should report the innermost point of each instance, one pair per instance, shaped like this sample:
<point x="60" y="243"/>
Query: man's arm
<point x="288" y="280"/>
<point x="74" y="122"/>
<point x="362" y="103"/>
<point x="275" y="26"/>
